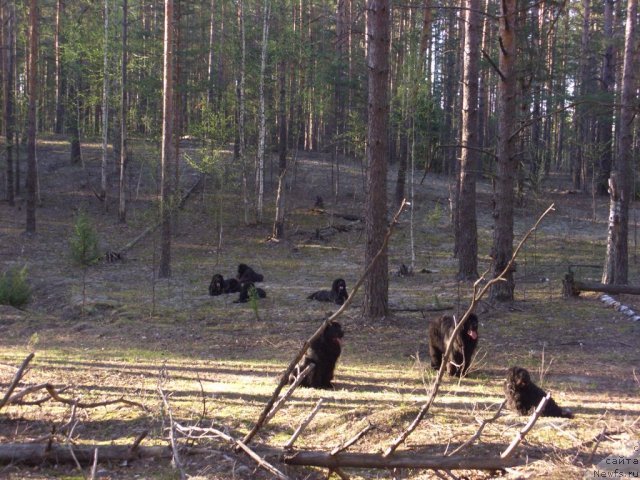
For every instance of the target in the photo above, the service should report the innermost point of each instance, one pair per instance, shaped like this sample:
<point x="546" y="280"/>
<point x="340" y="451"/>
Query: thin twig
<point x="172" y="438"/>
<point x="354" y="439"/>
<point x="285" y="376"/>
<point x="522" y="433"/>
<point x="95" y="464"/>
<point x="476" y="435"/>
<point x="303" y="425"/>
<point x="217" y="433"/>
<point x="279" y="404"/>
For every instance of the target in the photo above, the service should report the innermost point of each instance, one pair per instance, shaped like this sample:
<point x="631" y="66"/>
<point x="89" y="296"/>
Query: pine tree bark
<point x="278" y="224"/>
<point x="60" y="82"/>
<point x="376" y="291"/>
<point x="123" y="159"/>
<point x="167" y="143"/>
<point x="503" y="200"/>
<point x="262" y="129"/>
<point x="105" y="107"/>
<point x="466" y="228"/>
<point x="617" y="262"/>
<point x="32" y="89"/>
<point x="8" y="62"/>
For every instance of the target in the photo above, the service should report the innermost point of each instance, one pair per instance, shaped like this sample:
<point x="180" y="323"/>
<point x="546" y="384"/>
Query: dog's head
<point x="470" y="328"/>
<point x="518" y="377"/>
<point x="334" y="333"/>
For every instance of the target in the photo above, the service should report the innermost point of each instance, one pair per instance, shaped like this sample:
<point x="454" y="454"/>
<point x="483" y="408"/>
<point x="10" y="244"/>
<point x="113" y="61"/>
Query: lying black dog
<point x="338" y="293"/>
<point x="464" y="344"/>
<point x="219" y="285"/>
<point x="323" y="353"/>
<point x="246" y="274"/>
<point x="245" y="293"/>
<point x="524" y="396"/>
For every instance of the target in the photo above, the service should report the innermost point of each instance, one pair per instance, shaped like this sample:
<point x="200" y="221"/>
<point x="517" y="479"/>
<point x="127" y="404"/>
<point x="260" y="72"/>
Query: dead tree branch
<point x="476" y="435"/>
<point x="303" y="425"/>
<point x="278" y="405"/>
<point x="285" y="376"/>
<point x="477" y="296"/>
<point x="351" y="441"/>
<point x="16" y="379"/>
<point x="172" y="437"/>
<point x="522" y="433"/>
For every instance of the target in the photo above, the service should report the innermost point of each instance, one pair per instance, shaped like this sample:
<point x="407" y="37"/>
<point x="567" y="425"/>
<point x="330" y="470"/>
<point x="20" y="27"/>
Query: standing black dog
<point x="338" y="293"/>
<point x="245" y="293"/>
<point x="323" y="353"/>
<point x="219" y="285"/>
<point x="464" y="344"/>
<point x="247" y="274"/>
<point x="524" y="396"/>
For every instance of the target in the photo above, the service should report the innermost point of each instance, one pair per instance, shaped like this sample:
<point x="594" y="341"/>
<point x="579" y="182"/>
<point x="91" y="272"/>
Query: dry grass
<point x="222" y="363"/>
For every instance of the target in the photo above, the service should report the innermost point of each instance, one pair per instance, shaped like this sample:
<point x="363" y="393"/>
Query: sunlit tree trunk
<point x="376" y="289"/>
<point x="278" y="224"/>
<point x="211" y="60"/>
<point x="32" y="89"/>
<point x="262" y="116"/>
<point x="105" y="107"/>
<point x="503" y="200"/>
<point x="241" y="111"/>
<point x="466" y="228"/>
<point x="167" y="142"/>
<point x="617" y="262"/>
<point x="59" y="75"/>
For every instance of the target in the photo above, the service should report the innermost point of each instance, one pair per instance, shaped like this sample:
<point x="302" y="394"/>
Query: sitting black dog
<point x="464" y="344"/>
<point x="246" y="274"/>
<point x="245" y="293"/>
<point x="524" y="396"/>
<point x="323" y="353"/>
<point x="338" y="293"/>
<point x="219" y="285"/>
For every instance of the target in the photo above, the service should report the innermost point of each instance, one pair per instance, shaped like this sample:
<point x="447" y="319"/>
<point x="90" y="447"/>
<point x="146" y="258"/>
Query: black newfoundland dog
<point x="464" y="344"/>
<point x="338" y="293"/>
<point x="246" y="291"/>
<point x="219" y="285"/>
<point x="524" y="396"/>
<point x="246" y="274"/>
<point x="323" y="353"/>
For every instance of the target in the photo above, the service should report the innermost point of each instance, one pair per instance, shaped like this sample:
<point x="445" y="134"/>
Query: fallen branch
<point x="477" y="296"/>
<point x="572" y="287"/>
<point x="522" y="433"/>
<point x="38" y="453"/>
<point x="16" y="379"/>
<point x="285" y="376"/>
<point x="172" y="437"/>
<point x="278" y="405"/>
<point x="476" y="435"/>
<point x="351" y="441"/>
<point x="398" y="460"/>
<point x="304" y="424"/>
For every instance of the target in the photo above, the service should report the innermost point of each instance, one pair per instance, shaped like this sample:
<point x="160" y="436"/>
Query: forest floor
<point x="130" y="333"/>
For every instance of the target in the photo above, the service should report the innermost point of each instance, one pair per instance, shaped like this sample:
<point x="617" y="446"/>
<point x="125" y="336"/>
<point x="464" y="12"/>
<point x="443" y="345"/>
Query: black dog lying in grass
<point x="464" y="344"/>
<point x="338" y="293"/>
<point x="323" y="353"/>
<point x="246" y="274"/>
<point x="524" y="396"/>
<point x="247" y="290"/>
<point x="219" y="285"/>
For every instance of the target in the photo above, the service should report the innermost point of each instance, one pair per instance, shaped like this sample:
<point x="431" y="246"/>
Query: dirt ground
<point x="125" y="333"/>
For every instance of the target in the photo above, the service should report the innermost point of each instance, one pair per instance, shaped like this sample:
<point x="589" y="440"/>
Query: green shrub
<point x="14" y="289"/>
<point x="84" y="242"/>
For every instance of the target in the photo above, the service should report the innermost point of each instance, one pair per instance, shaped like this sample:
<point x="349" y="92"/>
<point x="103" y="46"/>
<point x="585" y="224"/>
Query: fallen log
<point x="38" y="453"/>
<point x="395" y="460"/>
<point x="572" y="287"/>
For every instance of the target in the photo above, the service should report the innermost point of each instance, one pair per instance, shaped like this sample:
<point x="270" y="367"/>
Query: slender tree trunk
<point x="262" y="117"/>
<point x="32" y="89"/>
<point x="506" y="163"/>
<point x="241" y="112"/>
<point x="8" y="60"/>
<point x="278" y="224"/>
<point x="617" y="263"/>
<point x="60" y="83"/>
<point x="105" y="107"/>
<point x="582" y="123"/>
<point x="376" y="290"/>
<point x="607" y="83"/>
<point x="467" y="231"/>
<point x="122" y="184"/>
<point x="74" y="121"/>
<point x="211" y="61"/>
<point x="167" y="143"/>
